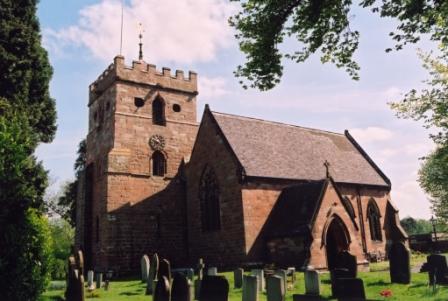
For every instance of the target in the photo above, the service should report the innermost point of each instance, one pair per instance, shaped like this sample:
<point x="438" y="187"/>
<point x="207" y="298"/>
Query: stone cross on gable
<point x="327" y="168"/>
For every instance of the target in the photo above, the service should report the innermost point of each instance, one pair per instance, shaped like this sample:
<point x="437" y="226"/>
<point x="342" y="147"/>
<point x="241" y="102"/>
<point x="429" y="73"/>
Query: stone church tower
<point x="142" y="125"/>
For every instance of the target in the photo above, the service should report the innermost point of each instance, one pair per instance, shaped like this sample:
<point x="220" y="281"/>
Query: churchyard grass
<point x="374" y="282"/>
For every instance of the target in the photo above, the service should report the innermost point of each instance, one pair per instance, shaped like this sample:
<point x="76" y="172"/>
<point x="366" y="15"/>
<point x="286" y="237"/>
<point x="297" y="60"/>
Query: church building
<point x="233" y="190"/>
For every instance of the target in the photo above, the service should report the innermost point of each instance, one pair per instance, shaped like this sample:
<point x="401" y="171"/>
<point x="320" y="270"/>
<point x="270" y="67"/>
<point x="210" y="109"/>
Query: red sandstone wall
<point x="226" y="246"/>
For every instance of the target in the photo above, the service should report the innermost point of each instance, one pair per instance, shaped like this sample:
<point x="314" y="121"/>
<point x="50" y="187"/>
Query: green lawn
<point x="374" y="282"/>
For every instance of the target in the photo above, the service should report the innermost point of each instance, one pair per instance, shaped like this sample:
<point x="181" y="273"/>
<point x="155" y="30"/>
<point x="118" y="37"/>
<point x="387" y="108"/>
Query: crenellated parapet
<point x="145" y="74"/>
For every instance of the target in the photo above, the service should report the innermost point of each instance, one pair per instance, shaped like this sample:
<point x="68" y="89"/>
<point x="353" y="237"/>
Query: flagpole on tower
<point x="121" y="31"/>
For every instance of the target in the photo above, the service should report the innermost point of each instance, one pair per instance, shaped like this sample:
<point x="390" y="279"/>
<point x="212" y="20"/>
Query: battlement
<point x="143" y="74"/>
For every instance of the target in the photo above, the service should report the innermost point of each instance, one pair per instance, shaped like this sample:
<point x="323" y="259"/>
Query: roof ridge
<point x="277" y="123"/>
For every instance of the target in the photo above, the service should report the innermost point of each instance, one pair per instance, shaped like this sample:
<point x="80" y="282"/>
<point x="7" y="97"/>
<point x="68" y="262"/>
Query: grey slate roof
<point x="275" y="150"/>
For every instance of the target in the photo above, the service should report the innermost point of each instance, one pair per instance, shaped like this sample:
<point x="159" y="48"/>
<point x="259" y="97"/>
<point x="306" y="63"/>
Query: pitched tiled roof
<point x="294" y="211"/>
<point x="276" y="150"/>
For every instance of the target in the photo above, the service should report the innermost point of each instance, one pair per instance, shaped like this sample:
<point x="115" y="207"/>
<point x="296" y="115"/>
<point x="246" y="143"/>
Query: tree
<point x="430" y="106"/>
<point x="322" y="25"/>
<point x="416" y="226"/>
<point x="62" y="235"/>
<point x="26" y="71"/>
<point x="67" y="201"/>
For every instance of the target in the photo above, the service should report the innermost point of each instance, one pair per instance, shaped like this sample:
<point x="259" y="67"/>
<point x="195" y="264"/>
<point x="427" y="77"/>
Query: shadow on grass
<point x="378" y="283"/>
<point x="129" y="294"/>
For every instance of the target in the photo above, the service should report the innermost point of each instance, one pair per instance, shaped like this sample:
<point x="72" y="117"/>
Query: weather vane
<point x="140" y="36"/>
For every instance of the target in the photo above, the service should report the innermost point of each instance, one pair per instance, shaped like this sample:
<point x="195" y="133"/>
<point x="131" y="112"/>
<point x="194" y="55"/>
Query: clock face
<point x="157" y="142"/>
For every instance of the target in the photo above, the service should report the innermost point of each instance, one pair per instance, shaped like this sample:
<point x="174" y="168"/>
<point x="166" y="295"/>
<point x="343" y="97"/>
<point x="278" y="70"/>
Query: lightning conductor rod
<point x="121" y="31"/>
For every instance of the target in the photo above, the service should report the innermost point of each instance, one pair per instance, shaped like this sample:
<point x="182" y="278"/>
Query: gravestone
<point x="162" y="290"/>
<point x="197" y="283"/>
<point x="346" y="288"/>
<point x="80" y="288"/>
<point x="144" y="265"/>
<point x="250" y="288"/>
<point x="312" y="283"/>
<point x="238" y="277"/>
<point x="283" y="275"/>
<point x="90" y="279"/>
<point x="212" y="271"/>
<point x="75" y="286"/>
<point x="291" y="271"/>
<point x="99" y="280"/>
<point x="345" y="260"/>
<point x="200" y="268"/>
<point x="260" y="276"/>
<point x="152" y="274"/>
<point x="164" y="270"/>
<point x="399" y="263"/>
<point x="437" y="269"/>
<point x="275" y="288"/>
<point x="181" y="288"/>
<point x="189" y="273"/>
<point x="80" y="262"/>
<point x="336" y="274"/>
<point x="214" y="288"/>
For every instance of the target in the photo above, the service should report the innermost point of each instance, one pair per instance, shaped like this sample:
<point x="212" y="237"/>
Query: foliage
<point x="416" y="226"/>
<point x="26" y="71"/>
<point x="62" y="235"/>
<point x="431" y="106"/>
<point x="322" y="25"/>
<point x="67" y="201"/>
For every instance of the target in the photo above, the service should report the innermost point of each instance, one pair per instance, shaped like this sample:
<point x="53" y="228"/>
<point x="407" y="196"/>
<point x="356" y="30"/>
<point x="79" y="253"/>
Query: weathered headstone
<point x="291" y="271"/>
<point x="212" y="271"/>
<point x="164" y="270"/>
<point x="162" y="290"/>
<point x="90" y="275"/>
<point x="238" y="277"/>
<point x="399" y="263"/>
<point x="336" y="274"/>
<point x="283" y="275"/>
<point x="250" y="288"/>
<point x="152" y="274"/>
<point x="345" y="260"/>
<point x="181" y="288"/>
<point x="275" y="288"/>
<point x="312" y="283"/>
<point x="80" y="288"/>
<point x="99" y="280"/>
<point x="189" y="273"/>
<point x="144" y="265"/>
<point x="197" y="288"/>
<point x="349" y="288"/>
<point x="437" y="269"/>
<point x="260" y="276"/>
<point x="214" y="288"/>
<point x="197" y="283"/>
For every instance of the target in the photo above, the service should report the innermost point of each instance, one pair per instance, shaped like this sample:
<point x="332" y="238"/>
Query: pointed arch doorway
<point x="336" y="239"/>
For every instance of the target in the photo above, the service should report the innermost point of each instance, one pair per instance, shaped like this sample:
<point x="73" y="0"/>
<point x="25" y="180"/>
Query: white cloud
<point x="411" y="200"/>
<point x="371" y="134"/>
<point x="182" y="31"/>
<point x="212" y="87"/>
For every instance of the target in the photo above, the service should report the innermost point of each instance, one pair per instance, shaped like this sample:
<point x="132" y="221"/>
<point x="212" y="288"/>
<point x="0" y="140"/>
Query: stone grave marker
<point x="399" y="264"/>
<point x="197" y="282"/>
<point x="260" y="276"/>
<point x="212" y="271"/>
<point x="152" y="274"/>
<point x="250" y="288"/>
<point x="312" y="283"/>
<point x="80" y="288"/>
<point x="99" y="279"/>
<point x="349" y="288"/>
<point x="90" y="275"/>
<point x="181" y="288"/>
<point x="291" y="271"/>
<point x="238" y="277"/>
<point x="437" y="269"/>
<point x="144" y="265"/>
<point x="275" y="288"/>
<point x="162" y="290"/>
<point x="189" y="273"/>
<point x="345" y="260"/>
<point x="214" y="288"/>
<point x="283" y="275"/>
<point x="80" y="262"/>
<point x="164" y="270"/>
<point x="200" y="268"/>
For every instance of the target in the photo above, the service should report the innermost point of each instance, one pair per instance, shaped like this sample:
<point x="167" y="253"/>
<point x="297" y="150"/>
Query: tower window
<point x="176" y="108"/>
<point x="158" y="164"/>
<point x="139" y="102"/>
<point x="158" y="111"/>
<point x="209" y="201"/>
<point x="373" y="214"/>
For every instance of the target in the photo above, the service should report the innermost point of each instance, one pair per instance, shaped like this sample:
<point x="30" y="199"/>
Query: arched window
<point x="209" y="200"/>
<point x="373" y="214"/>
<point x="158" y="164"/>
<point x="158" y="111"/>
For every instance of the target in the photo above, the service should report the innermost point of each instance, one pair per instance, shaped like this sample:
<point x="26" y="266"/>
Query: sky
<point x="83" y="36"/>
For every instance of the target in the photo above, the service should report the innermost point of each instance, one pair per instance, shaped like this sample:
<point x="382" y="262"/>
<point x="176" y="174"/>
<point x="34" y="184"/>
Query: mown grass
<point x="374" y="282"/>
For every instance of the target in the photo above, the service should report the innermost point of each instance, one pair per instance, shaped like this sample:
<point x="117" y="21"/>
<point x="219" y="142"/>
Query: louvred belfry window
<point x="209" y="200"/>
<point x="374" y="216"/>
<point x="158" y="111"/>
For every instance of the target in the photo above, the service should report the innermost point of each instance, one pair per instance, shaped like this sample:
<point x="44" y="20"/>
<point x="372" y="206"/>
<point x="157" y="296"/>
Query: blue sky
<point x="83" y="36"/>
